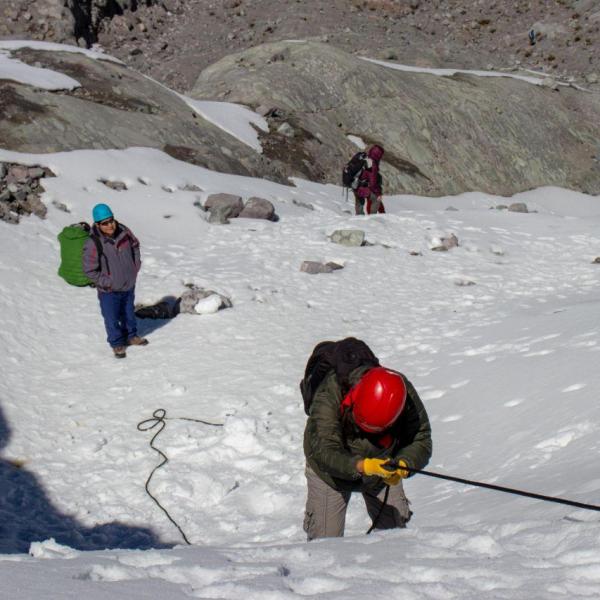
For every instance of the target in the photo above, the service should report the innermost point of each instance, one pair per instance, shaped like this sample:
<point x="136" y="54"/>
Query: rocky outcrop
<point x="115" y="107"/>
<point x="63" y="20"/>
<point x="20" y="191"/>
<point x="442" y="135"/>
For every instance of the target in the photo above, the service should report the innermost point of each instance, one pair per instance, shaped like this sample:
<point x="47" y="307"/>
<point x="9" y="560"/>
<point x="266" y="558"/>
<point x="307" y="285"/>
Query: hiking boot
<point x="119" y="351"/>
<point x="136" y="340"/>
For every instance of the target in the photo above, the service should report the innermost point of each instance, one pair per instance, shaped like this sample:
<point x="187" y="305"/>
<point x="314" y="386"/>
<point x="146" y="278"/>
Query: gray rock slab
<point x="348" y="237"/>
<point x="313" y="267"/>
<point x="258" y="208"/>
<point x="223" y="207"/>
<point x="519" y="207"/>
<point x="438" y="147"/>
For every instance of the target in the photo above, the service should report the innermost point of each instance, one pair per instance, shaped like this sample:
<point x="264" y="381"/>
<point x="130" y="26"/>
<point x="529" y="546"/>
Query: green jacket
<point x="333" y="443"/>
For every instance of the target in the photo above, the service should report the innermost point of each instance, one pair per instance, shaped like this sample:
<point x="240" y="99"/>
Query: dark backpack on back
<point x="353" y="170"/>
<point x="342" y="357"/>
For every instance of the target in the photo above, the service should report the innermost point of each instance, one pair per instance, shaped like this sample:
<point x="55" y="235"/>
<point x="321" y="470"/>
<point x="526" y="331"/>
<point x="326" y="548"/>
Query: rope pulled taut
<point x="159" y="418"/>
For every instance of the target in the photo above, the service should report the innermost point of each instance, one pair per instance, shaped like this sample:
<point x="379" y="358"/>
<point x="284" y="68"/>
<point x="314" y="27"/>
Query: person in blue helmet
<point x="111" y="259"/>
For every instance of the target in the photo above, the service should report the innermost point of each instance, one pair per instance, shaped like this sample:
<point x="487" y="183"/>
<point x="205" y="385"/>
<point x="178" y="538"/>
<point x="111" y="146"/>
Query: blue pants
<point x="119" y="317"/>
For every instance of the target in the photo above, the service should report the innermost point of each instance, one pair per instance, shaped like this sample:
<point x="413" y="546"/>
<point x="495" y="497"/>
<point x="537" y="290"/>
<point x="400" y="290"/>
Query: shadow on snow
<point x="27" y="515"/>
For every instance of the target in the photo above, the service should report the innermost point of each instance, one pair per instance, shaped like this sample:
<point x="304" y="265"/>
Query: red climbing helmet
<point x="378" y="399"/>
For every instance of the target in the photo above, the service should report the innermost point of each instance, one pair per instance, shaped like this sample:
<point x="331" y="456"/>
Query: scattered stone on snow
<point x="223" y="207"/>
<point x="348" y="237"/>
<point x="194" y="294"/>
<point x="496" y="250"/>
<point x="415" y="253"/>
<point x="452" y="209"/>
<point x="464" y="282"/>
<point x="60" y="206"/>
<point x="119" y="186"/>
<point x="596" y="261"/>
<point x="446" y="243"/>
<point x="258" y="208"/>
<point x="301" y="204"/>
<point x="500" y="207"/>
<point x="519" y="207"/>
<point x="190" y="187"/>
<point x="20" y="191"/>
<point x="313" y="267"/>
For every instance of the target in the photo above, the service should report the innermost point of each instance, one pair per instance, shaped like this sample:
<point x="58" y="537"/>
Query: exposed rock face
<point x="62" y="20"/>
<point x="116" y="107"/>
<point x="20" y="191"/>
<point x="442" y="135"/>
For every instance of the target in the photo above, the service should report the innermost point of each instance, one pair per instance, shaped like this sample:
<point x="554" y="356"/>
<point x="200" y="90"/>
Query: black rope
<point x="376" y="519"/>
<point x="508" y="490"/>
<point x="159" y="418"/>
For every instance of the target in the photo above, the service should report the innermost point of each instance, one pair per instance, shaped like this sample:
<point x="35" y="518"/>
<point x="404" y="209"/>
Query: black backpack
<point x="353" y="170"/>
<point x="342" y="357"/>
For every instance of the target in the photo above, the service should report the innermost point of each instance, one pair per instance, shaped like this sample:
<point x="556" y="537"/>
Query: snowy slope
<point x="500" y="336"/>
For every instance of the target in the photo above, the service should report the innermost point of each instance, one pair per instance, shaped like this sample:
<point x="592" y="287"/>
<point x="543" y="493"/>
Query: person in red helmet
<point x="350" y="436"/>
<point x="369" y="190"/>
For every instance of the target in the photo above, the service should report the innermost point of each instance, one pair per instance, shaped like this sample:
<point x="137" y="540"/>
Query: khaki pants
<point x="325" y="514"/>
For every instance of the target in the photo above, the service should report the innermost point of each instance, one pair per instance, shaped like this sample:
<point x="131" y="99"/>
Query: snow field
<point x="499" y="336"/>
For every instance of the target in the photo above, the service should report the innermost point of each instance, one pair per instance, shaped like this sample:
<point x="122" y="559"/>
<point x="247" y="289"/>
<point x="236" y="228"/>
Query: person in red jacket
<point x="369" y="186"/>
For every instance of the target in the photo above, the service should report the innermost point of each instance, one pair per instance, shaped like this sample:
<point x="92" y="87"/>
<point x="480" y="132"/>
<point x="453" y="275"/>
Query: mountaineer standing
<point x="369" y="184"/>
<point x="111" y="259"/>
<point x="362" y="417"/>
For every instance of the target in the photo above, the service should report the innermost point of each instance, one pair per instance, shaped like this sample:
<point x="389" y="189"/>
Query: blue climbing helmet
<point x="101" y="212"/>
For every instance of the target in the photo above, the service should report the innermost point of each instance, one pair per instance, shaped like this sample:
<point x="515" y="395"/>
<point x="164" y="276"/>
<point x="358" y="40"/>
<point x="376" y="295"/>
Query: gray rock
<point x="36" y="172"/>
<point x="262" y="110"/>
<point x="17" y="174"/>
<point x="191" y="187"/>
<point x="143" y="113"/>
<point x="223" y="207"/>
<point x="348" y="237"/>
<point x="596" y="261"/>
<point x="3" y="170"/>
<point x="312" y="267"/>
<point x="119" y="186"/>
<point x="302" y="204"/>
<point x="194" y="294"/>
<point x="431" y="148"/>
<point x="519" y="207"/>
<point x="60" y="206"/>
<point x="5" y="195"/>
<point x="258" y="208"/>
<point x="8" y="215"/>
<point x="446" y="244"/>
<point x="286" y="129"/>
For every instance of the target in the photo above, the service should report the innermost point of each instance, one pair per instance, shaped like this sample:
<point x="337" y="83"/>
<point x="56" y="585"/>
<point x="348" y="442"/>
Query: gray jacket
<point x="116" y="269"/>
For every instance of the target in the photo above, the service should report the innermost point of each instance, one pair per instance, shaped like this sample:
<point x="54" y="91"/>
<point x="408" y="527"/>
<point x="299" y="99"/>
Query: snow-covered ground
<point x="500" y="336"/>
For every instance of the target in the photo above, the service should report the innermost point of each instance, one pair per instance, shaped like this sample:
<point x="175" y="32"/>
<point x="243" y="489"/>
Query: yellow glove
<point x="374" y="466"/>
<point x="398" y="474"/>
<point x="400" y="471"/>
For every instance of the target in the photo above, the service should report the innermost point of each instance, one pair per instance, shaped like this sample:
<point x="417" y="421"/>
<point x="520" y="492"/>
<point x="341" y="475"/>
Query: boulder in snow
<point x="520" y="207"/>
<point x="445" y="243"/>
<point x="223" y="207"/>
<point x="258" y="208"/>
<point x="348" y="237"/>
<point x="191" y="298"/>
<point x="313" y="267"/>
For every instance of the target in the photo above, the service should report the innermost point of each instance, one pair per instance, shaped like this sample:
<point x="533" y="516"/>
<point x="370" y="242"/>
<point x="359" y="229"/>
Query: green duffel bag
<point x="72" y="239"/>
